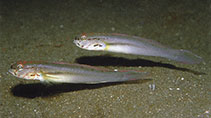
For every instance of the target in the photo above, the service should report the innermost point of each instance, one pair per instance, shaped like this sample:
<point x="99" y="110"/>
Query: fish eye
<point x="20" y="66"/>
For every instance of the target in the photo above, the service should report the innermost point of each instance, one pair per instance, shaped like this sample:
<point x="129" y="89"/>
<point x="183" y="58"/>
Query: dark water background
<point x="44" y="30"/>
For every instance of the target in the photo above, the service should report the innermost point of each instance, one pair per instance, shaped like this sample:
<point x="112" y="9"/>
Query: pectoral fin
<point x="55" y="77"/>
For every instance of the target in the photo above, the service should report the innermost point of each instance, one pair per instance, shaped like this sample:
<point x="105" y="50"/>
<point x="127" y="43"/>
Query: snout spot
<point x="97" y="45"/>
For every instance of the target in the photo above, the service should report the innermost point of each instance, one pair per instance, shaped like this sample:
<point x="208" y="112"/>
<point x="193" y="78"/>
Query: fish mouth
<point x="76" y="42"/>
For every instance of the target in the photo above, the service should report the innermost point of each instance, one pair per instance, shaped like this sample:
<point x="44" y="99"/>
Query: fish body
<point x="121" y="43"/>
<point x="71" y="73"/>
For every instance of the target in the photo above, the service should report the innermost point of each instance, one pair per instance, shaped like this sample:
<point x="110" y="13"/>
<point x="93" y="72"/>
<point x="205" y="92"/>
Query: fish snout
<point x="13" y="71"/>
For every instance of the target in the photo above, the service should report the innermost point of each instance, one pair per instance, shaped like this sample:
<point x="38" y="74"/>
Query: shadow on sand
<point x="43" y="90"/>
<point x="105" y="60"/>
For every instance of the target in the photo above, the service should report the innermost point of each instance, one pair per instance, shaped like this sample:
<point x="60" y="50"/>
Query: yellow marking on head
<point x="107" y="46"/>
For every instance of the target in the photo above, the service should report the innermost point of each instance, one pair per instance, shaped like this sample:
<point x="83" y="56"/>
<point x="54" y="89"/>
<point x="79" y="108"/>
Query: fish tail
<point x="185" y="56"/>
<point x="129" y="76"/>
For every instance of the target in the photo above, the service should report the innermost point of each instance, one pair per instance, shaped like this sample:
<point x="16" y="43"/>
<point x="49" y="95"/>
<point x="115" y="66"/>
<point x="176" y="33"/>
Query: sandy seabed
<point x="44" y="30"/>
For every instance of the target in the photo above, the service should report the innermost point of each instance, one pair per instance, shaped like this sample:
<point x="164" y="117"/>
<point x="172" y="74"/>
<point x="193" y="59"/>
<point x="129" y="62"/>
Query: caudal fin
<point x="185" y="56"/>
<point x="129" y="76"/>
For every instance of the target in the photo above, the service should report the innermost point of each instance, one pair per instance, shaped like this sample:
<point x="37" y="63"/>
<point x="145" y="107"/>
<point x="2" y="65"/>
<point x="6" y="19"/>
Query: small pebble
<point x="206" y="111"/>
<point x="152" y="86"/>
<point x="177" y="34"/>
<point x="115" y="70"/>
<point x="61" y="26"/>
